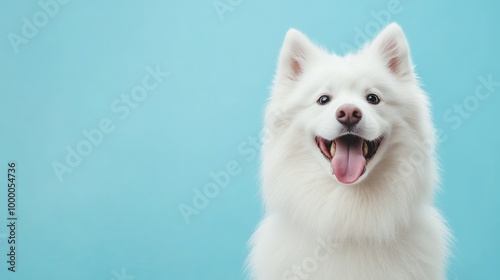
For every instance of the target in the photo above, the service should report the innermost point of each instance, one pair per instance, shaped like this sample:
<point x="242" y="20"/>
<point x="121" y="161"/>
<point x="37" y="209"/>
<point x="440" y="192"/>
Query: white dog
<point x="348" y="168"/>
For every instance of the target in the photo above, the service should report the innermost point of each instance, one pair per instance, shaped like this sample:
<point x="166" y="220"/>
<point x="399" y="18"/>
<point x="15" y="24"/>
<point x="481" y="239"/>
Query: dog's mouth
<point x="348" y="154"/>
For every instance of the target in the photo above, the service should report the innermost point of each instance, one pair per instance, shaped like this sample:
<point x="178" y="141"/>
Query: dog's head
<point x="345" y="114"/>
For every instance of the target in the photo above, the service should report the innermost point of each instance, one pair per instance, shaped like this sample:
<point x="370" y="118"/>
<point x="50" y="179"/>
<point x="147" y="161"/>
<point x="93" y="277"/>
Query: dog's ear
<point x="391" y="46"/>
<point x="296" y="56"/>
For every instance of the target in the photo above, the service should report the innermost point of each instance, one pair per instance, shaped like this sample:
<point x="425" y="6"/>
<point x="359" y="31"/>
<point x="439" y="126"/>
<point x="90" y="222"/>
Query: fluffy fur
<point x="383" y="226"/>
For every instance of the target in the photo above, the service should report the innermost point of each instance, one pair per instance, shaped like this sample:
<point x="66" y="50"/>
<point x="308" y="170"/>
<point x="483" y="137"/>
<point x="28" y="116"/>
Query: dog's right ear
<point x="296" y="55"/>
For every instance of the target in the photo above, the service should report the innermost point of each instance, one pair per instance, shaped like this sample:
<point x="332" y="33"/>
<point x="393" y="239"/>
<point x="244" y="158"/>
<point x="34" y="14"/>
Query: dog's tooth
<point x="332" y="148"/>
<point x="365" y="148"/>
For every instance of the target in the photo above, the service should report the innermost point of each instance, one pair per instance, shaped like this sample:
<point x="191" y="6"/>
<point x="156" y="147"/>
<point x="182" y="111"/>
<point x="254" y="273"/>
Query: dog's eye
<point x="323" y="99"/>
<point x="372" y="99"/>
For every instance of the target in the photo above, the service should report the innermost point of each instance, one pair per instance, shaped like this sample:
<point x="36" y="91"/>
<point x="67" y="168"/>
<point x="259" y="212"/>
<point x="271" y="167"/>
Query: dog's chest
<point x="349" y="262"/>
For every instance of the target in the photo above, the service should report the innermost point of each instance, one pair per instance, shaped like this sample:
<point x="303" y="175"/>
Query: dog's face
<point x="347" y="112"/>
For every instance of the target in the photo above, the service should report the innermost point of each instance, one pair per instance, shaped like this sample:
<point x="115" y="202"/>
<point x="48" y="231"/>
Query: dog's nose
<point x="348" y="114"/>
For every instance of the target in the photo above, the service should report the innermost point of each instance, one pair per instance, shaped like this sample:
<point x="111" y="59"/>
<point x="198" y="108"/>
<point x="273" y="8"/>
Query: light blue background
<point x="118" y="209"/>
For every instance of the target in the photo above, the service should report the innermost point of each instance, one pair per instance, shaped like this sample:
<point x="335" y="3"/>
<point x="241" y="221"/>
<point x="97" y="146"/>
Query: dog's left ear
<point x="392" y="47"/>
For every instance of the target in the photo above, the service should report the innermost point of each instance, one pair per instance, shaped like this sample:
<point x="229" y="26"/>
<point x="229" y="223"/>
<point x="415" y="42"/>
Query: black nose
<point x="348" y="114"/>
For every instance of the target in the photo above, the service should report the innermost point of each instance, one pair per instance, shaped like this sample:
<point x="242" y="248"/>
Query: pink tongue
<point x="348" y="162"/>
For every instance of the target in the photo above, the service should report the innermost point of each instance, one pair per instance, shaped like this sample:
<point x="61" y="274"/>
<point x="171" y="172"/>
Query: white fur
<point x="384" y="226"/>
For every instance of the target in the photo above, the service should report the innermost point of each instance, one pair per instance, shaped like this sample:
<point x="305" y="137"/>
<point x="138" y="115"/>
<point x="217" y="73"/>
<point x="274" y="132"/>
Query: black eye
<point x="323" y="99"/>
<point x="372" y="99"/>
